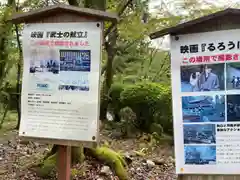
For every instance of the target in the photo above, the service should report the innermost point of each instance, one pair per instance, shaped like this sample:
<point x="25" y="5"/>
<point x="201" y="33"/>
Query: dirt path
<point x="16" y="155"/>
<point x="148" y="162"/>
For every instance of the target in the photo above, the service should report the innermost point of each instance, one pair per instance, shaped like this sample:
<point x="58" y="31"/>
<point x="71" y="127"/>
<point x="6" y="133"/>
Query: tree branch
<point x="113" y="25"/>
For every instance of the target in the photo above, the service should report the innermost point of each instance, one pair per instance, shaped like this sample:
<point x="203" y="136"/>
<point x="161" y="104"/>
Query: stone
<point x="128" y="158"/>
<point x="46" y="150"/>
<point x="159" y="162"/>
<point x="171" y="159"/>
<point x="23" y="142"/>
<point x="139" y="169"/>
<point x="36" y="145"/>
<point x="116" y="135"/>
<point x="29" y="151"/>
<point x="105" y="170"/>
<point x="3" y="171"/>
<point x="150" y="163"/>
<point x="100" y="179"/>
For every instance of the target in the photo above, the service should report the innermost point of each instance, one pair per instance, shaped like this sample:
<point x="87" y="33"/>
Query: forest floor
<point x="148" y="162"/>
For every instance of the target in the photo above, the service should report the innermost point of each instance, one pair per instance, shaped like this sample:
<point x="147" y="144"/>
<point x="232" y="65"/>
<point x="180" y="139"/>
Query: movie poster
<point x="60" y="85"/>
<point x="206" y="102"/>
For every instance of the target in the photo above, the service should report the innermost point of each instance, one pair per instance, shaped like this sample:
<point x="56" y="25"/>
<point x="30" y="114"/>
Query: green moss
<point x="47" y="166"/>
<point x="77" y="155"/>
<point x="104" y="154"/>
<point x="113" y="159"/>
<point x="77" y="172"/>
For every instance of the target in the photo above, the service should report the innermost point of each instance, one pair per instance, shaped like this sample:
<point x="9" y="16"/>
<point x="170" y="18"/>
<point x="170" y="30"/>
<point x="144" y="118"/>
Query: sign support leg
<point x="64" y="162"/>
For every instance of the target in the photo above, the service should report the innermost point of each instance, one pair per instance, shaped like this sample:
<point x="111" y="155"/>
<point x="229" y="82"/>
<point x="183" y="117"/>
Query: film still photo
<point x="207" y="77"/>
<point x="199" y="134"/>
<point x="233" y="108"/>
<point x="200" y="154"/>
<point x="44" y="61"/>
<point x="203" y="108"/>
<point x="233" y="76"/>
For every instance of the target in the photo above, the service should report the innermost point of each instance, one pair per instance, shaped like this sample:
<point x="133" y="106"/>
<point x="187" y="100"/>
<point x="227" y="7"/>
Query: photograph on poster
<point x="44" y="61"/>
<point x="233" y="76"/>
<point x="205" y="77"/>
<point x="75" y="60"/>
<point x="199" y="134"/>
<point x="73" y="88"/>
<point x="200" y="154"/>
<point x="203" y="108"/>
<point x="74" y="81"/>
<point x="233" y="108"/>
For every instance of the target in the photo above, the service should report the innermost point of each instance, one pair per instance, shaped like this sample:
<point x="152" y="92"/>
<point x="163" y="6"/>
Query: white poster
<point x="206" y="102"/>
<point x="60" y="85"/>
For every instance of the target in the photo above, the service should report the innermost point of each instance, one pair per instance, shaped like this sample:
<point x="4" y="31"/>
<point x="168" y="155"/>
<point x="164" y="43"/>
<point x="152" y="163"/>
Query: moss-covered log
<point x="102" y="154"/>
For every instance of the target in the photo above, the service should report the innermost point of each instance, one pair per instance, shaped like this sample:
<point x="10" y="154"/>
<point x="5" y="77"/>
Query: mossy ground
<point x="103" y="154"/>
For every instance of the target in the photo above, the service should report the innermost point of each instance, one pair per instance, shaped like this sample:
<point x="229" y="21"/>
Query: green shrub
<point x="127" y="114"/>
<point x="13" y="98"/>
<point x="156" y="128"/>
<point x="115" y="103"/>
<point x="150" y="102"/>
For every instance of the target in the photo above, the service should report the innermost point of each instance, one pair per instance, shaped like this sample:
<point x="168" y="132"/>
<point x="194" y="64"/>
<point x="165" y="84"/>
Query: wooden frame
<point x="222" y="20"/>
<point x="60" y="14"/>
<point x="207" y="23"/>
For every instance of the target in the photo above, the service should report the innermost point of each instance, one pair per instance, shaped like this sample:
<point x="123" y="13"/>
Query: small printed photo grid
<point x="44" y="61"/>
<point x="202" y="114"/>
<point x="73" y="88"/>
<point x="75" y="61"/>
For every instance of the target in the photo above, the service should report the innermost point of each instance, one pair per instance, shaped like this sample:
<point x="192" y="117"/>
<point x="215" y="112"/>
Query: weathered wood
<point x="207" y="23"/>
<point x="62" y="18"/>
<point x="221" y="23"/>
<point x="208" y="177"/>
<point x="64" y="162"/>
<point x="49" y="11"/>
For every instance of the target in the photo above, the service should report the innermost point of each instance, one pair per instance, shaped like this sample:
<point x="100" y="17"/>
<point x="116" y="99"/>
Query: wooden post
<point x="64" y="162"/>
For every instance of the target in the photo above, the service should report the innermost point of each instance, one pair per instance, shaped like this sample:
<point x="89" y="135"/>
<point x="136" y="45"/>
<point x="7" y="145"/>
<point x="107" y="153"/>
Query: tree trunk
<point x="5" y="31"/>
<point x="111" y="51"/>
<point x="18" y="88"/>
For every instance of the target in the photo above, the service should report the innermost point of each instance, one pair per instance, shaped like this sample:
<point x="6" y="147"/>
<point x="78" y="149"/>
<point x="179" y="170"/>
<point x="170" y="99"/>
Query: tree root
<point x="111" y="158"/>
<point x="102" y="154"/>
<point x="47" y="166"/>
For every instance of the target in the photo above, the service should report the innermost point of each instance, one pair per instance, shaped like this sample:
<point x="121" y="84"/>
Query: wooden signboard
<point x="205" y="68"/>
<point x="61" y="77"/>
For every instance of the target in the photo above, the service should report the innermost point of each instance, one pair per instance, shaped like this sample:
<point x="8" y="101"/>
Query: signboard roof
<point x="184" y="26"/>
<point x="61" y="8"/>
